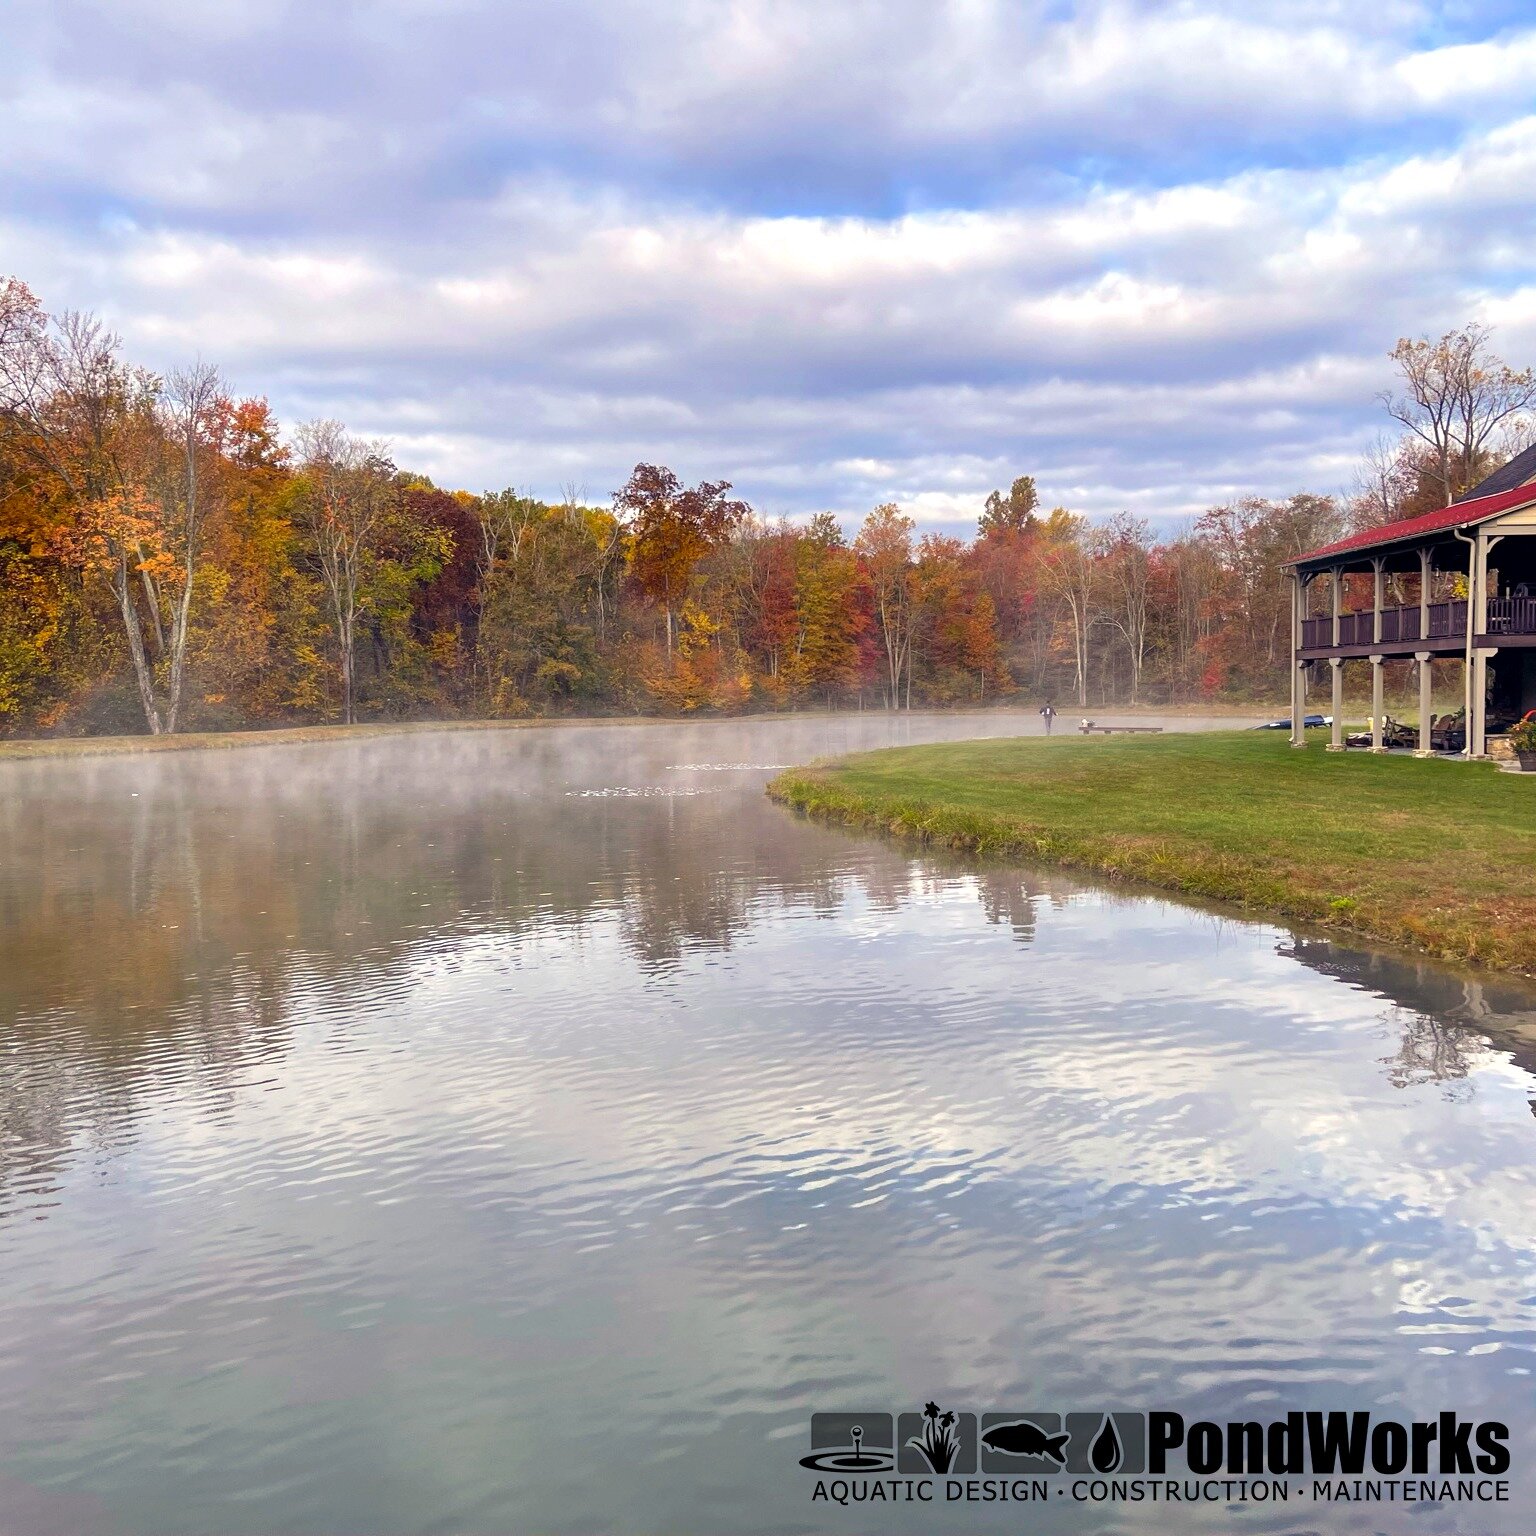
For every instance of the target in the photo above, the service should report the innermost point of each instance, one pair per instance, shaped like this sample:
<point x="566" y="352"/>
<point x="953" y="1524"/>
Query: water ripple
<point x="481" y="1135"/>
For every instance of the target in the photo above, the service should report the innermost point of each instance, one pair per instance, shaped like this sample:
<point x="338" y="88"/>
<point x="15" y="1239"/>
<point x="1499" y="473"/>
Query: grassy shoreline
<point x="218" y="741"/>
<point x="223" y="741"/>
<point x="1430" y="855"/>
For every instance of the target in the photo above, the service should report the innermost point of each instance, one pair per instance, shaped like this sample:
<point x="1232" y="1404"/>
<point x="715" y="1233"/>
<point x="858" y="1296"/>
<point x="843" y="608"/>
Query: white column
<point x="1477" y="737"/>
<point x="1426" y="663"/>
<point x="1469" y="670"/>
<point x="1477" y="723"/>
<point x="1426" y="571"/>
<point x="1377" y="695"/>
<point x="1335" y="581"/>
<point x="1478" y="731"/>
<point x="1336" y="739"/>
<point x="1484" y="544"/>
<point x="1298" y="733"/>
<point x="1378" y="564"/>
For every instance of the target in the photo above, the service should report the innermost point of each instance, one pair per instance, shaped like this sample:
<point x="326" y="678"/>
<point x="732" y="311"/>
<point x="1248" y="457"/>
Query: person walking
<point x="1048" y="714"/>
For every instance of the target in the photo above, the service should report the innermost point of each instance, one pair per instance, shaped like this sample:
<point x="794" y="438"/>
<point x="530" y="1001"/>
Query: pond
<point x="529" y="1131"/>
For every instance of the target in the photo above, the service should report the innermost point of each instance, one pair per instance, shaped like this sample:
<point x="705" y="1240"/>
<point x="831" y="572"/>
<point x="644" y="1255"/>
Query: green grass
<point x="1433" y="854"/>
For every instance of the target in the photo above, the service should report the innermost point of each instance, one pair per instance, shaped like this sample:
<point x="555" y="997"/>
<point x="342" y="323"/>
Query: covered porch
<point x="1457" y="585"/>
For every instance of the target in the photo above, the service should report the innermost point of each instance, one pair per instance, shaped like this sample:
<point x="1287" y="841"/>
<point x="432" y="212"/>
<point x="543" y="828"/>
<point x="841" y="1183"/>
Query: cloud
<point x="840" y="254"/>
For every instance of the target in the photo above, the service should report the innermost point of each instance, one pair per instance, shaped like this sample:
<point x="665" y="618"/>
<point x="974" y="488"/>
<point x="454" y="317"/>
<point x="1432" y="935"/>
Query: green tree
<point x="1013" y="513"/>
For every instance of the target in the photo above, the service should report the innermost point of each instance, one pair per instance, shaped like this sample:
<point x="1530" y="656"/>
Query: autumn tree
<point x="348" y="489"/>
<point x="1250" y="541"/>
<point x="1454" y="397"/>
<point x="671" y="530"/>
<point x="188" y="487"/>
<point x="981" y="651"/>
<point x="884" y="546"/>
<point x="84" y="419"/>
<point x="830" y="611"/>
<point x="1069" y="571"/>
<point x="756" y="576"/>
<point x="1124" y="548"/>
<point x="444" y="610"/>
<point x="259" y="644"/>
<point x="1013" y="513"/>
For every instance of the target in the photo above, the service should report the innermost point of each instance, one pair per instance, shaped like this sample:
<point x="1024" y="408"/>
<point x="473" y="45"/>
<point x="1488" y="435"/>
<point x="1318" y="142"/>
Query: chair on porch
<point x="1447" y="733"/>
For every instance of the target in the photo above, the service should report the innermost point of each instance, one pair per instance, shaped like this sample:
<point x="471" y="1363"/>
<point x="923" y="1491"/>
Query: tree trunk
<point x="179" y="625"/>
<point x="121" y="586"/>
<point x="151" y="601"/>
<point x="346" y="671"/>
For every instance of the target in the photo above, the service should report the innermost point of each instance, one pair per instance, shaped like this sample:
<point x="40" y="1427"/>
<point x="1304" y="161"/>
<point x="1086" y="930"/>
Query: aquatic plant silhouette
<point x="939" y="1442"/>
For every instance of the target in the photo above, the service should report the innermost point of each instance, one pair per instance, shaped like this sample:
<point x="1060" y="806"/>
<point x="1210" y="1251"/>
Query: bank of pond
<point x="1434" y="854"/>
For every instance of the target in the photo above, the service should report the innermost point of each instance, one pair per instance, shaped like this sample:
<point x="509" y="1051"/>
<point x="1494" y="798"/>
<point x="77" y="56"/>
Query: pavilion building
<point x="1465" y="581"/>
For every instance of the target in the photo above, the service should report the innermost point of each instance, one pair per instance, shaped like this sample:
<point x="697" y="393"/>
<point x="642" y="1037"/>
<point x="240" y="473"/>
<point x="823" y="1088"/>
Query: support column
<point x="1378" y="564"/>
<point x="1378" y="744"/>
<point x="1335" y="581"/>
<point x="1426" y="575"/>
<point x="1336" y="738"/>
<point x="1477" y="622"/>
<point x="1426" y="663"/>
<point x="1477" y="730"/>
<point x="1477" y="611"/>
<point x="1468" y="670"/>
<point x="1298" y="731"/>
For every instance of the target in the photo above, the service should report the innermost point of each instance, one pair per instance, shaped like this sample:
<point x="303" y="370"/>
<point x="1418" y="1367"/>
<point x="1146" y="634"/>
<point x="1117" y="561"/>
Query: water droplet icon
<point x="1104" y="1455"/>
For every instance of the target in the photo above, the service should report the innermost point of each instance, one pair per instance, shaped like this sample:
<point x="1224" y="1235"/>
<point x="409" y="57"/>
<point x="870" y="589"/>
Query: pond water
<point x="528" y="1131"/>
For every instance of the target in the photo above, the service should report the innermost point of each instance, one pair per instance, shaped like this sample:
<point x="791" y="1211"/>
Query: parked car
<point x="1307" y="722"/>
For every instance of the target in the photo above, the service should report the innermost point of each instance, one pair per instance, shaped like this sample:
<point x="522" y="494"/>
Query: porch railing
<point x="1447" y="621"/>
<point x="1512" y="615"/>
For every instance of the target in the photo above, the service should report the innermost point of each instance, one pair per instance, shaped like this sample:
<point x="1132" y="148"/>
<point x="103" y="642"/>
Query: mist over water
<point x="527" y="1131"/>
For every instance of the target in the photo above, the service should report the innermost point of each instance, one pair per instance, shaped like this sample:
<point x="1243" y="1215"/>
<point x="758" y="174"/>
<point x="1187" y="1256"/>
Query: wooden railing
<point x="1512" y="615"/>
<point x="1447" y="621"/>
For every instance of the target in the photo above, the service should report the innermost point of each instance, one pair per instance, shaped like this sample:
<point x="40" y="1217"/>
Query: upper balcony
<point x="1400" y="626"/>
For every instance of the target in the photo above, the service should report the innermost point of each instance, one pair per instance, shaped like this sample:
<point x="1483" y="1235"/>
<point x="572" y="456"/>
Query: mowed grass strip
<point x="1437" y="855"/>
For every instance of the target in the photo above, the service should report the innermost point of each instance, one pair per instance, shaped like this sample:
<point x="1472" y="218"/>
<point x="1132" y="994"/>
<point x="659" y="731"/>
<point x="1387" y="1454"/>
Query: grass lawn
<point x="1437" y="855"/>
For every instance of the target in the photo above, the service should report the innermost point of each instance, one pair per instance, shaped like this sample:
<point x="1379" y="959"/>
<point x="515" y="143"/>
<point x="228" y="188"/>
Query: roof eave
<point x="1511" y="500"/>
<point x="1327" y="554"/>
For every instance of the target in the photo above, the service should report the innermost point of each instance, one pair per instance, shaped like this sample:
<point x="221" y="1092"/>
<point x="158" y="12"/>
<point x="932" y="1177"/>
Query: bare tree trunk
<point x="122" y="587"/>
<point x="179" y="652"/>
<point x="347" y="634"/>
<point x="151" y="600"/>
<point x="192" y="393"/>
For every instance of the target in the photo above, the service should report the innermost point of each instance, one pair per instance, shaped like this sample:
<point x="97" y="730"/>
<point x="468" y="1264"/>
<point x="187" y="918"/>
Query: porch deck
<point x="1400" y="627"/>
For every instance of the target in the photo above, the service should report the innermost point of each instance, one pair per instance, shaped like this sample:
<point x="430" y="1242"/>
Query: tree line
<point x="170" y="561"/>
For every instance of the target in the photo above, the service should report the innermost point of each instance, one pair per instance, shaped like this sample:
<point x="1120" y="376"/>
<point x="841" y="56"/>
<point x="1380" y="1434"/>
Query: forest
<point x="171" y="559"/>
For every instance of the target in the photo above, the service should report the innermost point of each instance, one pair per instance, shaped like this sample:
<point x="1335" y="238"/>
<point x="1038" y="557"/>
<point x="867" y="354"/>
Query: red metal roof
<point x="1459" y="514"/>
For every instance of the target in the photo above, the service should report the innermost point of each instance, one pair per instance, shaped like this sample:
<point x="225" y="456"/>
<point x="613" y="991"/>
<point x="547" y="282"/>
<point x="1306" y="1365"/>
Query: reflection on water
<point x="527" y="1132"/>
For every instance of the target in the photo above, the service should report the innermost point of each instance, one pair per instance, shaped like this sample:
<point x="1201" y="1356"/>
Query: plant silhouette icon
<point x="939" y="1442"/>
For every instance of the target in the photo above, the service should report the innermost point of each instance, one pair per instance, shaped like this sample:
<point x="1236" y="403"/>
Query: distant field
<point x="1434" y="854"/>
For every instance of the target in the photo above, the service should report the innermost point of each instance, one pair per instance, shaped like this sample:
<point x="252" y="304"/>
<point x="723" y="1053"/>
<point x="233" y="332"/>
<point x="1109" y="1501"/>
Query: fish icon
<point x="1021" y="1438"/>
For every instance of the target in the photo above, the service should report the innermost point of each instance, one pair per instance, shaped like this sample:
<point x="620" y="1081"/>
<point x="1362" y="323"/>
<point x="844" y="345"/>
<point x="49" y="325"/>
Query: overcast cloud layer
<point x="836" y="251"/>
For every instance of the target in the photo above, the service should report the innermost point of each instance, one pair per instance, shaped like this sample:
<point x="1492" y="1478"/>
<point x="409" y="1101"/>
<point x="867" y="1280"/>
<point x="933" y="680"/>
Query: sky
<point x="838" y="252"/>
